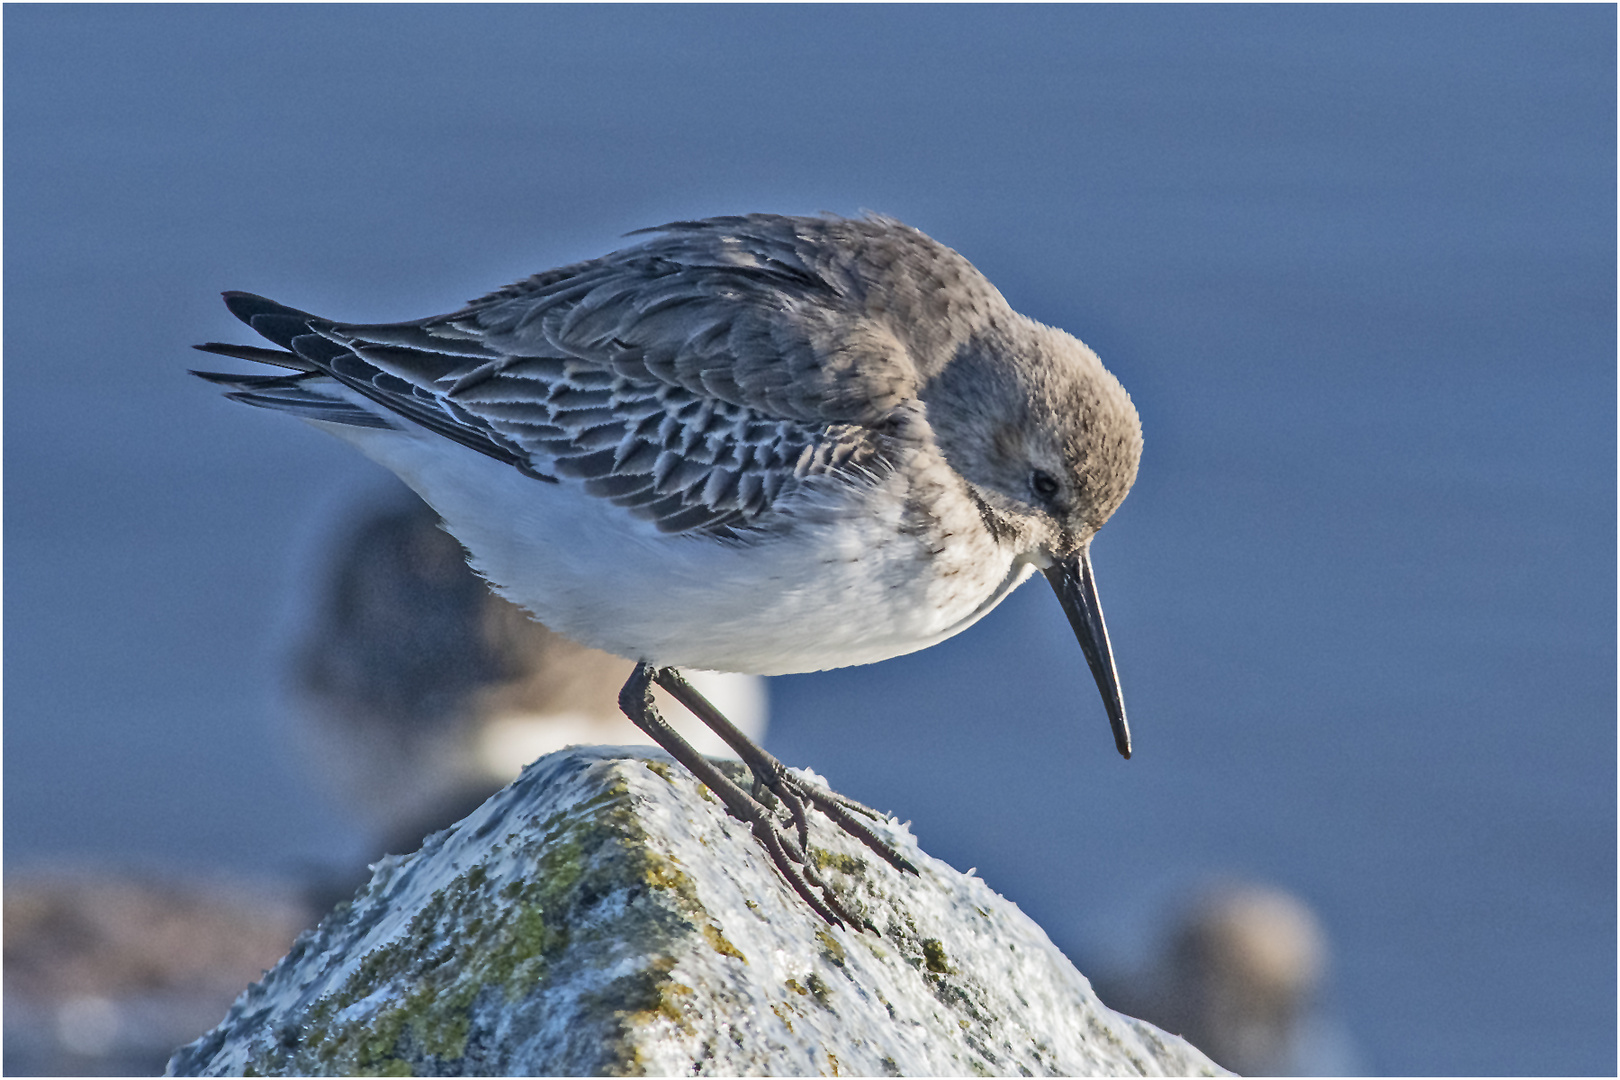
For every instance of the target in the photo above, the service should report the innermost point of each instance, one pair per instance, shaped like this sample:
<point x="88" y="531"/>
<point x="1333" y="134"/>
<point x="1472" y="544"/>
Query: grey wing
<point x="694" y="382"/>
<point x="784" y="316"/>
<point x="683" y="460"/>
<point x="308" y="349"/>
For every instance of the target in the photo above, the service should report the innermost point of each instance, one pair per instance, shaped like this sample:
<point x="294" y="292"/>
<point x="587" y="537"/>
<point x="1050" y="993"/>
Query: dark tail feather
<point x="317" y="357"/>
<point x="277" y="322"/>
<point x="294" y="394"/>
<point x="241" y="382"/>
<point x="255" y="354"/>
<point x="313" y="407"/>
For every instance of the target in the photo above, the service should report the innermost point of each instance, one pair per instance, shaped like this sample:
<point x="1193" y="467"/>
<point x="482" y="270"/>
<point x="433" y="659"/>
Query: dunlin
<point x="755" y="444"/>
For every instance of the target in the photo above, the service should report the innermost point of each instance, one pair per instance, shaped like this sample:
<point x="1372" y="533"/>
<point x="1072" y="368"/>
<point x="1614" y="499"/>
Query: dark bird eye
<point x="1043" y="483"/>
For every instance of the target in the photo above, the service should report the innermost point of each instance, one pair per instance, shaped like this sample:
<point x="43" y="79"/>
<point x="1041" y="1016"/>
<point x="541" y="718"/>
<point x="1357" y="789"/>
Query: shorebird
<point x="754" y="443"/>
<point x="1240" y="975"/>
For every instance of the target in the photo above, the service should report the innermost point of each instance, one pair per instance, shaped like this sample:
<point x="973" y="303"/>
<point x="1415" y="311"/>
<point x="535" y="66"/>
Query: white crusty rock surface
<point x="603" y="915"/>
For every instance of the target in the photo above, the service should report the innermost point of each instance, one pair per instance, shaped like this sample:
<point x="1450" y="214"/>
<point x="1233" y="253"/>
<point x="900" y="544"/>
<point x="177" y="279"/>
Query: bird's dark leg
<point x="773" y="776"/>
<point x="789" y="856"/>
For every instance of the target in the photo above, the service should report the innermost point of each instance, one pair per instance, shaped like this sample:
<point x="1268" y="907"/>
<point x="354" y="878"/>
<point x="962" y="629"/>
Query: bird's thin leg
<point x="635" y="698"/>
<point x="773" y="775"/>
<point x="767" y="769"/>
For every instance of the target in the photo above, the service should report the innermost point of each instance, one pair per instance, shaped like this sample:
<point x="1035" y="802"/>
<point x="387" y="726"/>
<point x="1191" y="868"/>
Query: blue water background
<point x="1355" y="265"/>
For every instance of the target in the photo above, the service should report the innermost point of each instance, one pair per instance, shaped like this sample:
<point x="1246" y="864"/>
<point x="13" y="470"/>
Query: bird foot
<point x="775" y="786"/>
<point x="777" y="810"/>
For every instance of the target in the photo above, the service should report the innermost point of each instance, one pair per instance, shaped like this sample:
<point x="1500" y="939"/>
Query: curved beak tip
<point x="1076" y="590"/>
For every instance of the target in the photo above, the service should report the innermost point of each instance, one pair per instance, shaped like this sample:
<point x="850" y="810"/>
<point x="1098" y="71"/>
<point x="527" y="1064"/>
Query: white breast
<point x="853" y="583"/>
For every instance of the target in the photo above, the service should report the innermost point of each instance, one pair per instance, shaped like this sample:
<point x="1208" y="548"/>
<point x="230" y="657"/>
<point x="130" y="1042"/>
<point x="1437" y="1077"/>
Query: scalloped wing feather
<point x="695" y="379"/>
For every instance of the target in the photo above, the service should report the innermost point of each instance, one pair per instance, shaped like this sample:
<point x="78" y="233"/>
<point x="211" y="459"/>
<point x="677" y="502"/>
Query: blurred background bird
<point x="419" y="693"/>
<point x="1240" y="970"/>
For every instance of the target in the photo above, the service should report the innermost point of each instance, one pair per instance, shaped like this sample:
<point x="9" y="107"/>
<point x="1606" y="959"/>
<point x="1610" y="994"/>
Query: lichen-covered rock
<point x="603" y="915"/>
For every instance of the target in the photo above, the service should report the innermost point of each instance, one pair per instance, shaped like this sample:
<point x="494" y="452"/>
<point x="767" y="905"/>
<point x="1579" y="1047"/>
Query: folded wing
<point x="695" y="379"/>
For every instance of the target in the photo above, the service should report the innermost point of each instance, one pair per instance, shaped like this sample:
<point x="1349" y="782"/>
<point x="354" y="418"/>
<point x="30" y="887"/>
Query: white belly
<point x="846" y="588"/>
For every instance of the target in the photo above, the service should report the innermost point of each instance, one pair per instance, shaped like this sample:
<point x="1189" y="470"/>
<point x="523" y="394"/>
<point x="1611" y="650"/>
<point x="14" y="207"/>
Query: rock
<point x="603" y="915"/>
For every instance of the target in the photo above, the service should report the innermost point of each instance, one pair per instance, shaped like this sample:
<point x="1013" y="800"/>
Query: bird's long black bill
<point x="1077" y="591"/>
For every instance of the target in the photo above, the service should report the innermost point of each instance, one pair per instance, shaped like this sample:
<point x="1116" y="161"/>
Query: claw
<point x="789" y="869"/>
<point x="859" y="831"/>
<point x="831" y="896"/>
<point x="795" y="805"/>
<point x="859" y="807"/>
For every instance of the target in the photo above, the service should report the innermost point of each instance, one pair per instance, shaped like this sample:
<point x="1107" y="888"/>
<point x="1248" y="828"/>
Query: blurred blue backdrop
<point x="1356" y="266"/>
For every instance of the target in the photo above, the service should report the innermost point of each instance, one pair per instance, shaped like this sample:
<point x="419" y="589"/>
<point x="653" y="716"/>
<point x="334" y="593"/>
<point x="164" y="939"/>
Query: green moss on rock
<point x="934" y="957"/>
<point x="406" y="1007"/>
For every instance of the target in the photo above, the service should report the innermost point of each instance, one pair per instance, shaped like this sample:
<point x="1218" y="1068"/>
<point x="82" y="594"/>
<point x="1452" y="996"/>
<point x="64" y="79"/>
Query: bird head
<point x="1048" y="443"/>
